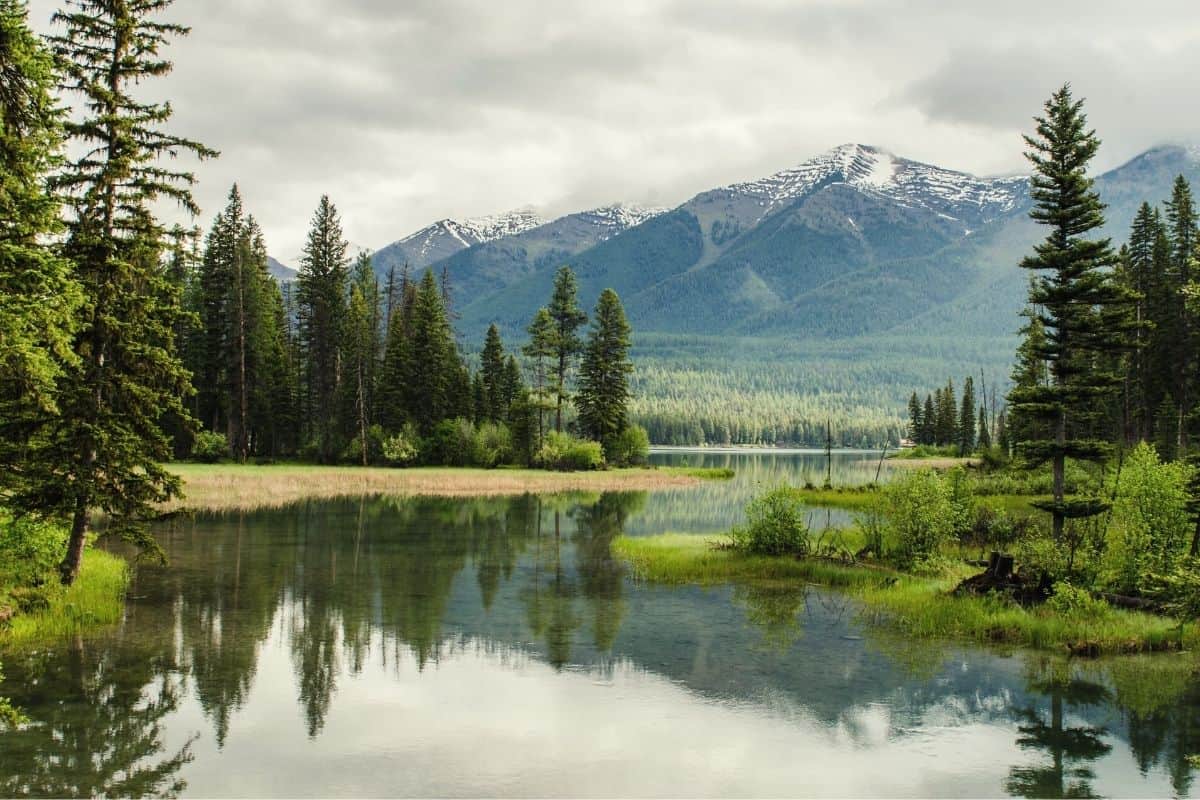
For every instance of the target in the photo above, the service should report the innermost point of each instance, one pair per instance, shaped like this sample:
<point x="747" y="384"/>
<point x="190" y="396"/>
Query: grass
<point x="244" y="487"/>
<point x="679" y="558"/>
<point x="97" y="597"/>
<point x="850" y="498"/>
<point x="702" y="473"/>
<point x="915" y="606"/>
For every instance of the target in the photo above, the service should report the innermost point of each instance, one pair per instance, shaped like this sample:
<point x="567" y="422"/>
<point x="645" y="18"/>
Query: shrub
<point x="1151" y="528"/>
<point x="774" y="526"/>
<point x="1072" y="601"/>
<point x="30" y="550"/>
<point x="451" y="443"/>
<point x="919" y="517"/>
<point x="402" y="448"/>
<point x="631" y="448"/>
<point x="352" y="453"/>
<point x="210" y="447"/>
<point x="491" y="445"/>
<point x="564" y="452"/>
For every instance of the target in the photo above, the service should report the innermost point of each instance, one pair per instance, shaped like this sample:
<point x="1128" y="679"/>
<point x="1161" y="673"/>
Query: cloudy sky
<point x="408" y="111"/>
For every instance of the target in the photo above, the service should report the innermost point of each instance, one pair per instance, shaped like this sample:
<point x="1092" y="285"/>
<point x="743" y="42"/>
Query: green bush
<point x="352" y="454"/>
<point x="403" y="448"/>
<point x="1151" y="528"/>
<point x="1072" y="601"/>
<point x="451" y="443"/>
<point x="631" y="448"/>
<point x="491" y="445"/>
<point x="30" y="550"/>
<point x="774" y="526"/>
<point x="919" y="517"/>
<point x="210" y="447"/>
<point x="567" y="453"/>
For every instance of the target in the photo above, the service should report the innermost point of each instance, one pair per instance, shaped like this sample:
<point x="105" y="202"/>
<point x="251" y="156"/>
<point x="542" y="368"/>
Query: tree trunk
<point x="69" y="569"/>
<point x="1060" y="462"/>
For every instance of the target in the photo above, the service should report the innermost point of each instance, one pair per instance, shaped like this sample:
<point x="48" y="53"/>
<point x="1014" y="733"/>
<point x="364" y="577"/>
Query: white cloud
<point x="405" y="113"/>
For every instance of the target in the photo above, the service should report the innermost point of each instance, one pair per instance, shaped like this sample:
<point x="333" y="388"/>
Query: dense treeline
<point x="943" y="421"/>
<point x="344" y="368"/>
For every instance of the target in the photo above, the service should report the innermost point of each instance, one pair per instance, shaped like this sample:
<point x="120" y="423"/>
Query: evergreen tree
<point x="492" y="376"/>
<point x="603" y="400"/>
<point x="914" y="418"/>
<point x="540" y="350"/>
<point x="105" y="449"/>
<point x="1182" y="233"/>
<point x="37" y="315"/>
<point x="568" y="317"/>
<point x="966" y="418"/>
<point x="321" y="297"/>
<point x="1137" y="273"/>
<point x="433" y="386"/>
<point x="1077" y="299"/>
<point x="392" y="394"/>
<point x="985" y="432"/>
<point x="514" y="385"/>
<point x="361" y="354"/>
<point x="929" y="421"/>
<point x="946" y="427"/>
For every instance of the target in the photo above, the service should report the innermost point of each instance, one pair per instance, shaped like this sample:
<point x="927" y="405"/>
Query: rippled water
<point x="494" y="647"/>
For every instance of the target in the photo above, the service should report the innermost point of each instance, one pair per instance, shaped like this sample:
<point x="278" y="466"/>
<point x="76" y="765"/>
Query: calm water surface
<point x="494" y="647"/>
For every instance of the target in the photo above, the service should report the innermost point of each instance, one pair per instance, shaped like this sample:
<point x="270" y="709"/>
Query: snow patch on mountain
<point x="472" y="231"/>
<point x="618" y="217"/>
<point x="909" y="183"/>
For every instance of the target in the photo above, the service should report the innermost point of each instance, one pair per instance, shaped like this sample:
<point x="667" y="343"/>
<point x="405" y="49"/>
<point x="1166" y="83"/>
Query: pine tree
<point x="929" y="421"/>
<point x="568" y="318"/>
<point x="1075" y="293"/>
<point x="603" y="399"/>
<point x="514" y="385"/>
<point x="1138" y="275"/>
<point x="946" y="427"/>
<point x="966" y="418"/>
<point x="392" y="395"/>
<point x="540" y="350"/>
<point x="491" y="375"/>
<point x="321" y="297"/>
<point x="914" y="417"/>
<point x="1182" y="234"/>
<point x="105" y="450"/>
<point x="360" y="355"/>
<point x="985" y="432"/>
<point x="40" y="299"/>
<point x="433" y="389"/>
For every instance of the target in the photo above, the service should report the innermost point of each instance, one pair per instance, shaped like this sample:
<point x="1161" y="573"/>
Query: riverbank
<point x="95" y="599"/>
<point x="914" y="605"/>
<point x="244" y="487"/>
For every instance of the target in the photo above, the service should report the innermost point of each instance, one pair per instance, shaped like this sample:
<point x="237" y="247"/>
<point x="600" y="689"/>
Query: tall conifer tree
<point x="1076" y="298"/>
<point x="568" y="317"/>
<point x="105" y="450"/>
<point x="321" y="297"/>
<point x="603" y="399"/>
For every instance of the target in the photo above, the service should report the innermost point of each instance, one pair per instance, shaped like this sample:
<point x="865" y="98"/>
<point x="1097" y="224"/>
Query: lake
<point x="494" y="647"/>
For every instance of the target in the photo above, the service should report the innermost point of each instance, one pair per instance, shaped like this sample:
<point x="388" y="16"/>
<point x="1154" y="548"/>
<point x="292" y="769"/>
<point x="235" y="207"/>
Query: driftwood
<point x="1125" y="601"/>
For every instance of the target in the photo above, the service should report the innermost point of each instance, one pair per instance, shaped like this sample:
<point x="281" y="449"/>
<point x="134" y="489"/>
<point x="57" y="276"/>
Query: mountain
<point x="280" y="271"/>
<point x="446" y="237"/>
<point x="783" y="254"/>
<point x="855" y="242"/>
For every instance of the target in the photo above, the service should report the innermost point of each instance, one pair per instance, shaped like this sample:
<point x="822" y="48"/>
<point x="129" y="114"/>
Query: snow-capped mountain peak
<point x="458" y="234"/>
<point x="874" y="170"/>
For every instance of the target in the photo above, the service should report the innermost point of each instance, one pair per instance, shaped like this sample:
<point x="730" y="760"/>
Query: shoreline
<point x="244" y="487"/>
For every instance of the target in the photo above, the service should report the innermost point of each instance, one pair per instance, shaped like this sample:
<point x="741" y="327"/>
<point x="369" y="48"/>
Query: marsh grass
<point x="244" y="487"/>
<point x="915" y="606"/>
<point x="678" y="558"/>
<point x="703" y="473"/>
<point x="96" y="598"/>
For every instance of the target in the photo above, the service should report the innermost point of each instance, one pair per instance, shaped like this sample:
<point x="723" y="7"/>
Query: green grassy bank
<point x="914" y="605"/>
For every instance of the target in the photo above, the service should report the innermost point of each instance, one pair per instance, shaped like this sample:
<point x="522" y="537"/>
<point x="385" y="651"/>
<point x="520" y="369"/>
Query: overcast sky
<point x="408" y="111"/>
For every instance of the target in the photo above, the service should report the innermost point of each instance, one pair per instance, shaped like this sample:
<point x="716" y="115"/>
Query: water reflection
<point x="435" y="646"/>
